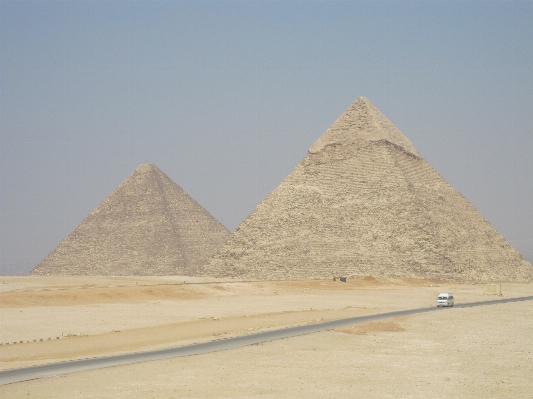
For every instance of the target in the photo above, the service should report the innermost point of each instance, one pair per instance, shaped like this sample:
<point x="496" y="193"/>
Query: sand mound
<point x="95" y="295"/>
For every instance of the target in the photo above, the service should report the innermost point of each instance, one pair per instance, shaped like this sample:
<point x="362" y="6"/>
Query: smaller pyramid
<point x="147" y="226"/>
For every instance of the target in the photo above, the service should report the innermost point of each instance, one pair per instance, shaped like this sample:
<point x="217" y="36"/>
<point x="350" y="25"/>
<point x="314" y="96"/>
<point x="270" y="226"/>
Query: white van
<point x="445" y="299"/>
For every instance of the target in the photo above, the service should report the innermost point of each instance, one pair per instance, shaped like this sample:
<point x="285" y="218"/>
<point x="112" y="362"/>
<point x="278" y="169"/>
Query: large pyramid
<point x="363" y="202"/>
<point x="147" y="226"/>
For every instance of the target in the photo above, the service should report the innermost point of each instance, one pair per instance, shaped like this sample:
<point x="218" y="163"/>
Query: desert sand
<point x="478" y="352"/>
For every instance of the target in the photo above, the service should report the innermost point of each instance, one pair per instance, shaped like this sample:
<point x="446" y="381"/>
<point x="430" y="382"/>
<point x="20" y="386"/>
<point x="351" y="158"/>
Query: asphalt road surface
<point x="54" y="369"/>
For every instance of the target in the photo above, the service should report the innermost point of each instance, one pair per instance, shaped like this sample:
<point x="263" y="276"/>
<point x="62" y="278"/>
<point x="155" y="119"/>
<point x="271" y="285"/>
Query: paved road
<point x="49" y="370"/>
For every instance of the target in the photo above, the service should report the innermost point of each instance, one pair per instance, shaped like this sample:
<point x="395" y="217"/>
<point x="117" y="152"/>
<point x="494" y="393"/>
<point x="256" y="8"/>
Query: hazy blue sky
<point x="226" y="98"/>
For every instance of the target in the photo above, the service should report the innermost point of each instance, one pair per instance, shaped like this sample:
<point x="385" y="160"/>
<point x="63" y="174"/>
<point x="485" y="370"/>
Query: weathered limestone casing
<point x="363" y="202"/>
<point x="147" y="226"/>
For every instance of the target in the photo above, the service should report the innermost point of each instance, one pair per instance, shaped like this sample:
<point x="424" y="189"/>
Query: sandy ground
<point x="480" y="352"/>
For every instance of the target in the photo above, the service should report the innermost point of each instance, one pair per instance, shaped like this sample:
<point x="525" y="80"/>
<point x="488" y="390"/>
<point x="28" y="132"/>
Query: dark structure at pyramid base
<point x="370" y="208"/>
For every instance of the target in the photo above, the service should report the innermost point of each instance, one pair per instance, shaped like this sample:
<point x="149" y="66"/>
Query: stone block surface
<point x="147" y="226"/>
<point x="363" y="202"/>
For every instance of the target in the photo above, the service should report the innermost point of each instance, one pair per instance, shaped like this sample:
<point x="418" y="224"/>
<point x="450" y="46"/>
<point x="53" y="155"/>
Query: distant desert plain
<point x="473" y="352"/>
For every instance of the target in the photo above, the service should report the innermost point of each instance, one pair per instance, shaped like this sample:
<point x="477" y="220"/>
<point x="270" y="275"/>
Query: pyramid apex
<point x="363" y="100"/>
<point x="146" y="167"/>
<point x="361" y="123"/>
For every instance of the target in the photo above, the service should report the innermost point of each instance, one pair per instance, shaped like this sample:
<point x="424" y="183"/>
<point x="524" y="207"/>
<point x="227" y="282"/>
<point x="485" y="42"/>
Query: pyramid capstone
<point x="147" y="226"/>
<point x="363" y="202"/>
<point x="359" y="125"/>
